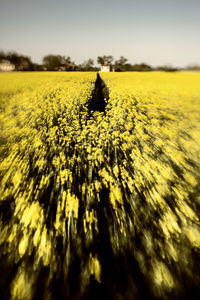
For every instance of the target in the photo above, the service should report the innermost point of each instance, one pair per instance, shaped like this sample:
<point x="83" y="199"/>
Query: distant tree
<point x="105" y="59"/>
<point x="37" y="67"/>
<point x="58" y="63"/>
<point x="53" y="62"/>
<point x="194" y="67"/>
<point x="128" y="67"/>
<point x="167" y="68"/>
<point x="120" y="65"/>
<point x="141" y="67"/>
<point x="25" y="64"/>
<point x="69" y="65"/>
<point x="2" y="55"/>
<point x="88" y="65"/>
<point x="68" y="60"/>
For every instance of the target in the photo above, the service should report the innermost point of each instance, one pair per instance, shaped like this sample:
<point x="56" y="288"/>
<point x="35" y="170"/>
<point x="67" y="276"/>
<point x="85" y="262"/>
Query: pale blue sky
<point x="152" y="31"/>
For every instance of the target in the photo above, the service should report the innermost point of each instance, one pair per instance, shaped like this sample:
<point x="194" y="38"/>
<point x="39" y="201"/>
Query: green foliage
<point x="141" y="67"/>
<point x="88" y="65"/>
<point x="194" y="67"/>
<point x="52" y="62"/>
<point x="105" y="59"/>
<point x="167" y="68"/>
<point x="120" y="65"/>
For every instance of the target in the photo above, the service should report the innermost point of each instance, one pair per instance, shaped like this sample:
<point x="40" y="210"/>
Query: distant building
<point x="106" y="67"/>
<point x="62" y="68"/>
<point x="70" y="66"/>
<point x="66" y="67"/>
<point x="6" y="66"/>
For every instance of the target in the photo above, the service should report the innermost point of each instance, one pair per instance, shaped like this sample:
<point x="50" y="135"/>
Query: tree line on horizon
<point x="53" y="62"/>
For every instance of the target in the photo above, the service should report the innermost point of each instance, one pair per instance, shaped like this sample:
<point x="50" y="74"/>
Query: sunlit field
<point x="100" y="204"/>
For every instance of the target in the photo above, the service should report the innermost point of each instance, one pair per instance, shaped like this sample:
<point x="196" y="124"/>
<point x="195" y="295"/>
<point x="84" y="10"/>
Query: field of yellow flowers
<point x="100" y="203"/>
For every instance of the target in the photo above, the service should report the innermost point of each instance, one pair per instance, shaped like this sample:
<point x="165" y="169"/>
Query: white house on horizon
<point x="6" y="66"/>
<point x="106" y="67"/>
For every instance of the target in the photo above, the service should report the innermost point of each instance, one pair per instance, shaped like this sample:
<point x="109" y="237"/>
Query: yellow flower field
<point x="105" y="201"/>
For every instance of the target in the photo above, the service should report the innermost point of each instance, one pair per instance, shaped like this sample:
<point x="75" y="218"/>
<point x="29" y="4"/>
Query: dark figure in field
<point x="100" y="96"/>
